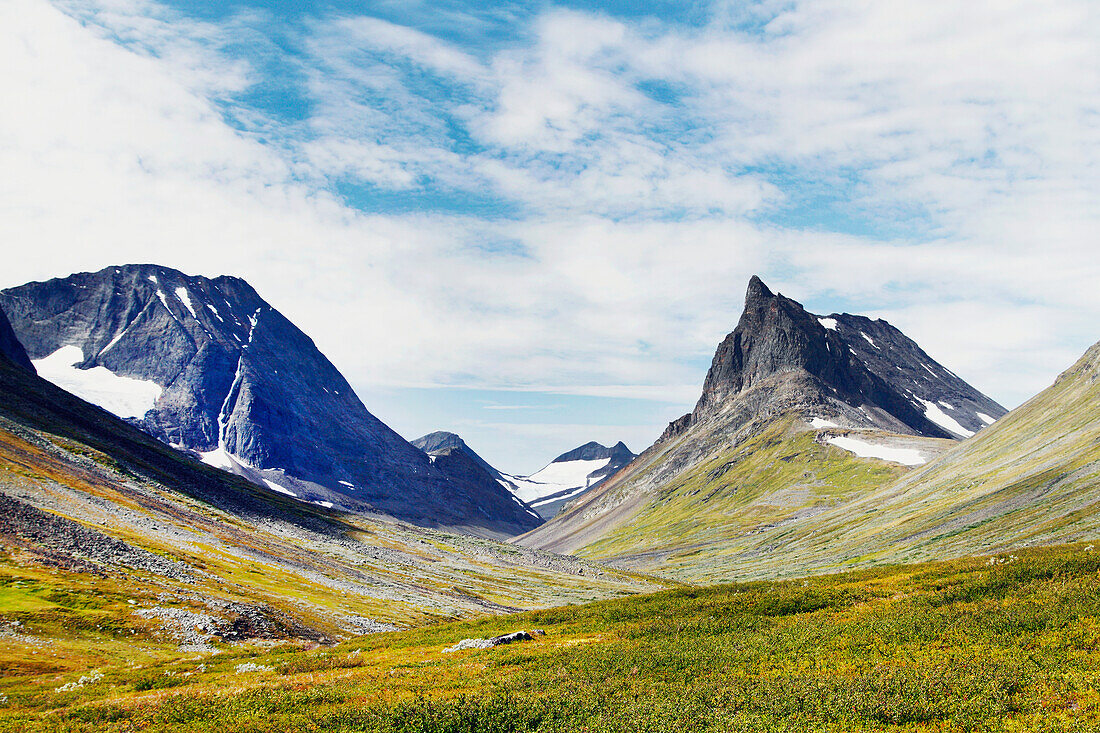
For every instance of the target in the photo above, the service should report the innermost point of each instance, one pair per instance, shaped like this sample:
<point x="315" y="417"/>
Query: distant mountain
<point x="207" y="365"/>
<point x="569" y="476"/>
<point x="798" y="412"/>
<point x="449" y="453"/>
<point x="440" y="440"/>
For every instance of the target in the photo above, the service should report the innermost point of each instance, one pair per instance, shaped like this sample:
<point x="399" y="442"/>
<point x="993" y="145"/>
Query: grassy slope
<point x="1000" y="644"/>
<point x="703" y="519"/>
<point x="305" y="565"/>
<point x="781" y="504"/>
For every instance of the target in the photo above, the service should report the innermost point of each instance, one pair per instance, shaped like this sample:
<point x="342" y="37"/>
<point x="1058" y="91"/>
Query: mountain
<point x="868" y="372"/>
<point x="449" y="453"/>
<point x="798" y="413"/>
<point x="569" y="476"/>
<point x="207" y="365"/>
<point x="142" y="549"/>
<point x="441" y="440"/>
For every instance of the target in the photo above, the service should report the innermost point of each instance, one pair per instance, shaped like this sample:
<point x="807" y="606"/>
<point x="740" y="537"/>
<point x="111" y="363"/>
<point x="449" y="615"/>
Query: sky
<point x="531" y="223"/>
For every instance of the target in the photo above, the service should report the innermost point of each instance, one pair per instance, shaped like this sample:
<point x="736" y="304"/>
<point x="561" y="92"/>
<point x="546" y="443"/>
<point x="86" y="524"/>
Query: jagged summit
<point x="593" y="451"/>
<point x="861" y="365"/>
<point x="570" y="476"/>
<point x="783" y="380"/>
<point x="205" y="364"/>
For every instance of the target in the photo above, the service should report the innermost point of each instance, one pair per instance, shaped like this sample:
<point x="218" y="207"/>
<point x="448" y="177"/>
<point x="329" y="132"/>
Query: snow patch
<point x="986" y="418"/>
<point x="215" y="312"/>
<point x="349" y="485"/>
<point x="556" y="478"/>
<point x="945" y="405"/>
<point x="123" y="396"/>
<point x="153" y="279"/>
<point x="325" y="504"/>
<point x="933" y="412"/>
<point x="281" y="489"/>
<point x="829" y="323"/>
<point x="820" y="422"/>
<point x="869" y="340"/>
<point x="904" y="456"/>
<point x="185" y="298"/>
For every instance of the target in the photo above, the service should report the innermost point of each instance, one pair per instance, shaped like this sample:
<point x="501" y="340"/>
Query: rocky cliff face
<point x="10" y="348"/>
<point x="871" y="372"/>
<point x="207" y="365"/>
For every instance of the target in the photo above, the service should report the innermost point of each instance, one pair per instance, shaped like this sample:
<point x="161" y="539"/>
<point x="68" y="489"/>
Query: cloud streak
<point x="577" y="210"/>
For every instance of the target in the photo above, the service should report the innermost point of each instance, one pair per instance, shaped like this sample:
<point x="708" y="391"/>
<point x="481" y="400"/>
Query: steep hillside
<point x="207" y="365"/>
<point x="10" y="347"/>
<point x="1033" y="478"/>
<point x="114" y="544"/>
<point x="799" y="414"/>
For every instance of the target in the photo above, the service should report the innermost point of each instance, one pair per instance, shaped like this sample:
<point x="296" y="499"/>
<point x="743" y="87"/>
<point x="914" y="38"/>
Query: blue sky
<point x="531" y="223"/>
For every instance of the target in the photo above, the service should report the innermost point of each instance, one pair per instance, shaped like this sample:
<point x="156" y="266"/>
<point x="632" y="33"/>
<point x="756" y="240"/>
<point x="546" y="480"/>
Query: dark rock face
<point x="441" y="440"/>
<point x="869" y="365"/>
<point x="463" y="470"/>
<point x="449" y="454"/>
<point x="10" y="348"/>
<point x="241" y="380"/>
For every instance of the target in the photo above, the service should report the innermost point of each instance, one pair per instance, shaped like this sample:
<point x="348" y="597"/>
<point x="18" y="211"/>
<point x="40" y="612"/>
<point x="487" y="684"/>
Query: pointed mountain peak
<point x="757" y="290"/>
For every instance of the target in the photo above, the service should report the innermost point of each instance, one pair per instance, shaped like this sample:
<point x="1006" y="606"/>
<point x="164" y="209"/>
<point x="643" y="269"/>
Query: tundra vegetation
<point x="1007" y="642"/>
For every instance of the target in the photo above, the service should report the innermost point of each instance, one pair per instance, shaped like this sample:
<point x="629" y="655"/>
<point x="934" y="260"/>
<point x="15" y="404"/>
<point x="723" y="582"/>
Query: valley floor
<point x="998" y="643"/>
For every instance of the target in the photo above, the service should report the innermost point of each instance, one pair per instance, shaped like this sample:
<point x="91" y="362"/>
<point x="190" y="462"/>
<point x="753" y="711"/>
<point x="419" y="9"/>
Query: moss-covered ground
<point x="1001" y="643"/>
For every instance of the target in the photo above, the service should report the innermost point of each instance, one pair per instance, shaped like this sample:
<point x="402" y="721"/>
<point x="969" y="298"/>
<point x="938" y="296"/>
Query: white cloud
<point x="635" y="218"/>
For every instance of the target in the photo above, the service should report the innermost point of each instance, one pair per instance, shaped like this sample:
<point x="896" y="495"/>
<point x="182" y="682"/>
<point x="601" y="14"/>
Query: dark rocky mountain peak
<point x="865" y="364"/>
<point x="592" y="451"/>
<point x="206" y="365"/>
<point x="441" y="440"/>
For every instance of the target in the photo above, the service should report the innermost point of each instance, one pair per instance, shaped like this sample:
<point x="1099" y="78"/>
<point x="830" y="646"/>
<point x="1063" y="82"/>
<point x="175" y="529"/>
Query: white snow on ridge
<point x="986" y="418"/>
<point x="904" y="456"/>
<point x="820" y="422"/>
<point x="869" y="340"/>
<point x="570" y="495"/>
<point x="215" y="312"/>
<point x="933" y="412"/>
<point x="281" y="489"/>
<point x="123" y="396"/>
<point x="829" y="323"/>
<point x="185" y="298"/>
<point x="945" y="405"/>
<point x="555" y="478"/>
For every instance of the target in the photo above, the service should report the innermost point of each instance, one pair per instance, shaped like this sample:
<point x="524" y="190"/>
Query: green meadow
<point x="1000" y="643"/>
